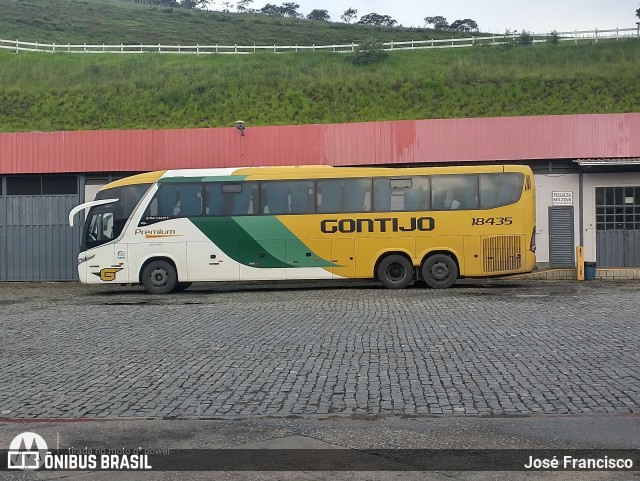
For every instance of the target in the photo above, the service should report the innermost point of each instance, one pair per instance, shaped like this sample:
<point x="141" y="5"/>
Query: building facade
<point x="587" y="170"/>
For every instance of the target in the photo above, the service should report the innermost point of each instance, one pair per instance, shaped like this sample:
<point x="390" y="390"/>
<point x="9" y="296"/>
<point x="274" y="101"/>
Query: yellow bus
<point x="167" y="229"/>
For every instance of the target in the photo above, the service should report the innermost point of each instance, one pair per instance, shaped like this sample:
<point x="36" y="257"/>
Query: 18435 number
<point x="491" y="220"/>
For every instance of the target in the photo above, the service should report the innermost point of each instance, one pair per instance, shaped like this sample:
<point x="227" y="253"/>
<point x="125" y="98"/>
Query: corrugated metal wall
<point x="398" y="142"/>
<point x="36" y="242"/>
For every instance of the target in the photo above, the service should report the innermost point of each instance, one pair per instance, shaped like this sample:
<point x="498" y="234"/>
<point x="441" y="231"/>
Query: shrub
<point x="553" y="38"/>
<point x="368" y="53"/>
<point x="525" y="38"/>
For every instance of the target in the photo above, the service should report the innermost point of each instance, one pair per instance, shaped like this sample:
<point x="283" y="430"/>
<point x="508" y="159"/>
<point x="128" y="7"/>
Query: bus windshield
<point x="105" y="222"/>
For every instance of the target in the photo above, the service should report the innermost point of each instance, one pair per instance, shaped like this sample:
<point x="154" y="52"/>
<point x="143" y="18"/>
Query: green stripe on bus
<point x="263" y="228"/>
<point x="257" y="241"/>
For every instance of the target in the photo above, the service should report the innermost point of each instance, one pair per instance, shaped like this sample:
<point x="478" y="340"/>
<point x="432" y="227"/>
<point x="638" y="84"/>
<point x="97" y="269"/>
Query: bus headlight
<point x="85" y="258"/>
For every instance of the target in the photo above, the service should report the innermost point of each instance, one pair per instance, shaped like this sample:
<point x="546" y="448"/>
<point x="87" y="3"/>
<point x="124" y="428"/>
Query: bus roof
<point x="293" y="172"/>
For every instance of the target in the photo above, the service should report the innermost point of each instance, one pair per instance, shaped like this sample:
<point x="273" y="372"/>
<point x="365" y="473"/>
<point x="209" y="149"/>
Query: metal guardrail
<point x="575" y="36"/>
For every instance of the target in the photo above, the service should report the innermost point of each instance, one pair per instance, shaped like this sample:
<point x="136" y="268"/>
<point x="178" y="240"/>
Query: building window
<point x="42" y="185"/>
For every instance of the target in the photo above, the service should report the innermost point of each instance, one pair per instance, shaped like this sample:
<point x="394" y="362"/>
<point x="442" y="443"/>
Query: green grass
<point x="78" y="91"/>
<point x="117" y="21"/>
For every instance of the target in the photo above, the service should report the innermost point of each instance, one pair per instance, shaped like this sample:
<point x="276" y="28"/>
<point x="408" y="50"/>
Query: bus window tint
<point x="344" y="195"/>
<point x="401" y="194"/>
<point x="175" y="200"/>
<point x="189" y="200"/>
<point x="231" y="198"/>
<point x="288" y="197"/>
<point x="454" y="192"/>
<point x="500" y="189"/>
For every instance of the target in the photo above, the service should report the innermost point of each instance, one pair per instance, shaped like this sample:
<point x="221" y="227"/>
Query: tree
<point x="638" y="13"/>
<point x="349" y="14"/>
<point x="243" y="5"/>
<point x="290" y="9"/>
<point x="319" y="15"/>
<point x="377" y="19"/>
<point x="272" y="10"/>
<point x="201" y="4"/>
<point x="438" y="22"/>
<point x="466" y="25"/>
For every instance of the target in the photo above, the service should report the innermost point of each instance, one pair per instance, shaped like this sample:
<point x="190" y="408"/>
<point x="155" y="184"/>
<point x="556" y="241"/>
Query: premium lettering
<point x="382" y="224"/>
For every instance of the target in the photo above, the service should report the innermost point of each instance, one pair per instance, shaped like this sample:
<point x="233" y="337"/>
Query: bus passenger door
<point x="344" y="256"/>
<point x="308" y="259"/>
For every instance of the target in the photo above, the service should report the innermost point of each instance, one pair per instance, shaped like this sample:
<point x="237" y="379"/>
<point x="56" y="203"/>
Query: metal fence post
<point x="54" y="47"/>
<point x="17" y="48"/>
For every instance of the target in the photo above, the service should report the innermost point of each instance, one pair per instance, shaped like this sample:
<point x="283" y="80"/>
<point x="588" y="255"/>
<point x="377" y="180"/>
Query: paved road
<point x="489" y="348"/>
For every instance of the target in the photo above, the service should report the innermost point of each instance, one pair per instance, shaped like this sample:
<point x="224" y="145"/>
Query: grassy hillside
<point x="66" y="92"/>
<point x="69" y="92"/>
<point x="118" y="21"/>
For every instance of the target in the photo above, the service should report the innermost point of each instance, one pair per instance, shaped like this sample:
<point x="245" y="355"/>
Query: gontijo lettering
<point x="384" y="224"/>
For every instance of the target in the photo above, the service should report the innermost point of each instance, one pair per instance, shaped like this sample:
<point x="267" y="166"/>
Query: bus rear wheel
<point x="439" y="271"/>
<point x="159" y="277"/>
<point x="395" y="272"/>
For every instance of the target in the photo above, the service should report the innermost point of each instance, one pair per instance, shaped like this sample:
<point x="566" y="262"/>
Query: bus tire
<point x="181" y="286"/>
<point x="159" y="277"/>
<point x="395" y="272"/>
<point x="439" y="271"/>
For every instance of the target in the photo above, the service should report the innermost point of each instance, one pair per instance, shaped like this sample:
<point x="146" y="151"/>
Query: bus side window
<point x="454" y="191"/>
<point x="167" y="197"/>
<point x="357" y="195"/>
<point x="213" y="194"/>
<point x="329" y="195"/>
<point x="401" y="194"/>
<point x="190" y="200"/>
<point x="301" y="197"/>
<point x="382" y="195"/>
<point x="500" y="189"/>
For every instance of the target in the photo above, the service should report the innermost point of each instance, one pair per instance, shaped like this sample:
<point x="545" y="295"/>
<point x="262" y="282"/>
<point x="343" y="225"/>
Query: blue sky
<point x="492" y="16"/>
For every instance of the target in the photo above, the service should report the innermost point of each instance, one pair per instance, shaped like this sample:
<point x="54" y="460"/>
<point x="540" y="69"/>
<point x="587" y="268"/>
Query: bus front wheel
<point x="395" y="272"/>
<point x="159" y="277"/>
<point x="439" y="271"/>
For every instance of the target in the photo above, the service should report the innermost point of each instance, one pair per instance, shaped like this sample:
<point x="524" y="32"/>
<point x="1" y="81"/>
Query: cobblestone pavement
<point x="486" y="348"/>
